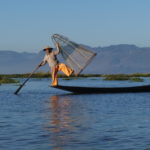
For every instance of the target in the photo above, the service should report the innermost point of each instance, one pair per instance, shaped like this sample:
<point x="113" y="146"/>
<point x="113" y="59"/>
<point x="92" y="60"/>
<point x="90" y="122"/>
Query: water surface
<point x="43" y="118"/>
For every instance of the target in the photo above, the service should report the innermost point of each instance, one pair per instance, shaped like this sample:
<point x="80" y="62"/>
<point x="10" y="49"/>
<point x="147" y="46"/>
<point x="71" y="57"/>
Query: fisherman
<point x="51" y="59"/>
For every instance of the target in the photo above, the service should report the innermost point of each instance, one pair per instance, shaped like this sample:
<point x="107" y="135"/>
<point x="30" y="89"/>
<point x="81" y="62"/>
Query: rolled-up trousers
<point x="60" y="67"/>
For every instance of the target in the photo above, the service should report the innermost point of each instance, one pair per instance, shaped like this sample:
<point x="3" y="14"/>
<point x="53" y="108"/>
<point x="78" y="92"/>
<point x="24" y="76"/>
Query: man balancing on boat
<point x="74" y="54"/>
<point x="54" y="64"/>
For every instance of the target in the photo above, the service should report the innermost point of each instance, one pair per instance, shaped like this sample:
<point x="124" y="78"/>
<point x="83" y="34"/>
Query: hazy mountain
<point x="15" y="62"/>
<point x="121" y="58"/>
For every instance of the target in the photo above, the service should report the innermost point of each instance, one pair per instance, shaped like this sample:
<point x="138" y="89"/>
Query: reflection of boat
<point x="86" y="90"/>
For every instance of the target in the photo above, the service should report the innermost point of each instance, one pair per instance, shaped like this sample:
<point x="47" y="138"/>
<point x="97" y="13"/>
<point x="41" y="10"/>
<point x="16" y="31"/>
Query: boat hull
<point x="86" y="90"/>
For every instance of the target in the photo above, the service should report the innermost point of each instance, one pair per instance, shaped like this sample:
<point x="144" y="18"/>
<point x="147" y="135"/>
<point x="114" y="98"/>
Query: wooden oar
<point x="16" y="92"/>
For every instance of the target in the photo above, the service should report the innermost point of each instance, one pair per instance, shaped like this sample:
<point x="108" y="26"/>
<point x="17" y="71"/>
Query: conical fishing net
<point x="76" y="56"/>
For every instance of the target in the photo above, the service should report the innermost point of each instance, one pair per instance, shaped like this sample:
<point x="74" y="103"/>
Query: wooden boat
<point x="90" y="90"/>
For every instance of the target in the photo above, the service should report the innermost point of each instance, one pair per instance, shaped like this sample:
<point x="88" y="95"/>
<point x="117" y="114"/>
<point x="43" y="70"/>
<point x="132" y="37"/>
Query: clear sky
<point x="27" y="25"/>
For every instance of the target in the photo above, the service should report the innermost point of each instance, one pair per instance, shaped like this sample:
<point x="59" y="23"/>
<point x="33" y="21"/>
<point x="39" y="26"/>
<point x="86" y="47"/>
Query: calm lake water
<point x="43" y="118"/>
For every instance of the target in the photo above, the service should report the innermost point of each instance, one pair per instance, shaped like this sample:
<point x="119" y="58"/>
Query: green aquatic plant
<point x="48" y="75"/>
<point x="136" y="79"/>
<point x="122" y="77"/>
<point x="7" y="80"/>
<point x="45" y="75"/>
<point x="116" y="77"/>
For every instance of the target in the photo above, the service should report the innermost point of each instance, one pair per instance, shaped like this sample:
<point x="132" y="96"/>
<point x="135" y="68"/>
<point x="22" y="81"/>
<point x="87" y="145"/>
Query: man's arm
<point x="44" y="61"/>
<point x="58" y="49"/>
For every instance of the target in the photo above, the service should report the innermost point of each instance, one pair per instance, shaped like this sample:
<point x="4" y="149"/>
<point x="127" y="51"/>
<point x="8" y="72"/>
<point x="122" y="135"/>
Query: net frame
<point x="66" y="53"/>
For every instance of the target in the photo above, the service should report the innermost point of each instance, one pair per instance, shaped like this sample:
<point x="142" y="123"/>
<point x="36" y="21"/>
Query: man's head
<point x="48" y="49"/>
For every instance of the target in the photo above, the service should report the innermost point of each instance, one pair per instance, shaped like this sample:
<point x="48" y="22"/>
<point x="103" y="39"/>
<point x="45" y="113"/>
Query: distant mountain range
<point x="113" y="59"/>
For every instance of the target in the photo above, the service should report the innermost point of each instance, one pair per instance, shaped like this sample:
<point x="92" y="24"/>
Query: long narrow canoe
<point x="86" y="90"/>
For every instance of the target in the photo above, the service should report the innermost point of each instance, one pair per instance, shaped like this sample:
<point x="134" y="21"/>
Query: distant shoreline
<point x="136" y="77"/>
<point x="47" y="75"/>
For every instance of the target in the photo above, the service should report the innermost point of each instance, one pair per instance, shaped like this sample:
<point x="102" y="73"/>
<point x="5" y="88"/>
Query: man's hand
<point x="57" y="45"/>
<point x="40" y="64"/>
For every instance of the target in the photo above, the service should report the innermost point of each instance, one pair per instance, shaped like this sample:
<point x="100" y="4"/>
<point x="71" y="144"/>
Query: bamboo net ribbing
<point x="75" y="55"/>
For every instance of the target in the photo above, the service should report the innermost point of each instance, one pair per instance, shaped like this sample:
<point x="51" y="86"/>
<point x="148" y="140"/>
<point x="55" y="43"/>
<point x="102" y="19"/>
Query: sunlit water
<point x="43" y="118"/>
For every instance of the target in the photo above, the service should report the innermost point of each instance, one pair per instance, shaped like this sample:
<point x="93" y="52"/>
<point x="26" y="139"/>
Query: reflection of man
<point x="51" y="59"/>
<point x="60" y="112"/>
<point x="60" y="121"/>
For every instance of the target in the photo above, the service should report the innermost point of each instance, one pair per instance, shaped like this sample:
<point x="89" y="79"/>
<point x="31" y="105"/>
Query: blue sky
<point x="27" y="25"/>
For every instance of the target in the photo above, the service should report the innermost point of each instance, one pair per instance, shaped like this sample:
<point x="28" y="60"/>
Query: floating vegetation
<point x="4" y="80"/>
<point x="46" y="75"/>
<point x="116" y="77"/>
<point x="106" y="76"/>
<point x="123" y="77"/>
<point x="136" y="79"/>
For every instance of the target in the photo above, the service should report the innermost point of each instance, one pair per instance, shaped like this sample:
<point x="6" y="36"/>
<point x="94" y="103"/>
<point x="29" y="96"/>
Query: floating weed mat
<point x="4" y="80"/>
